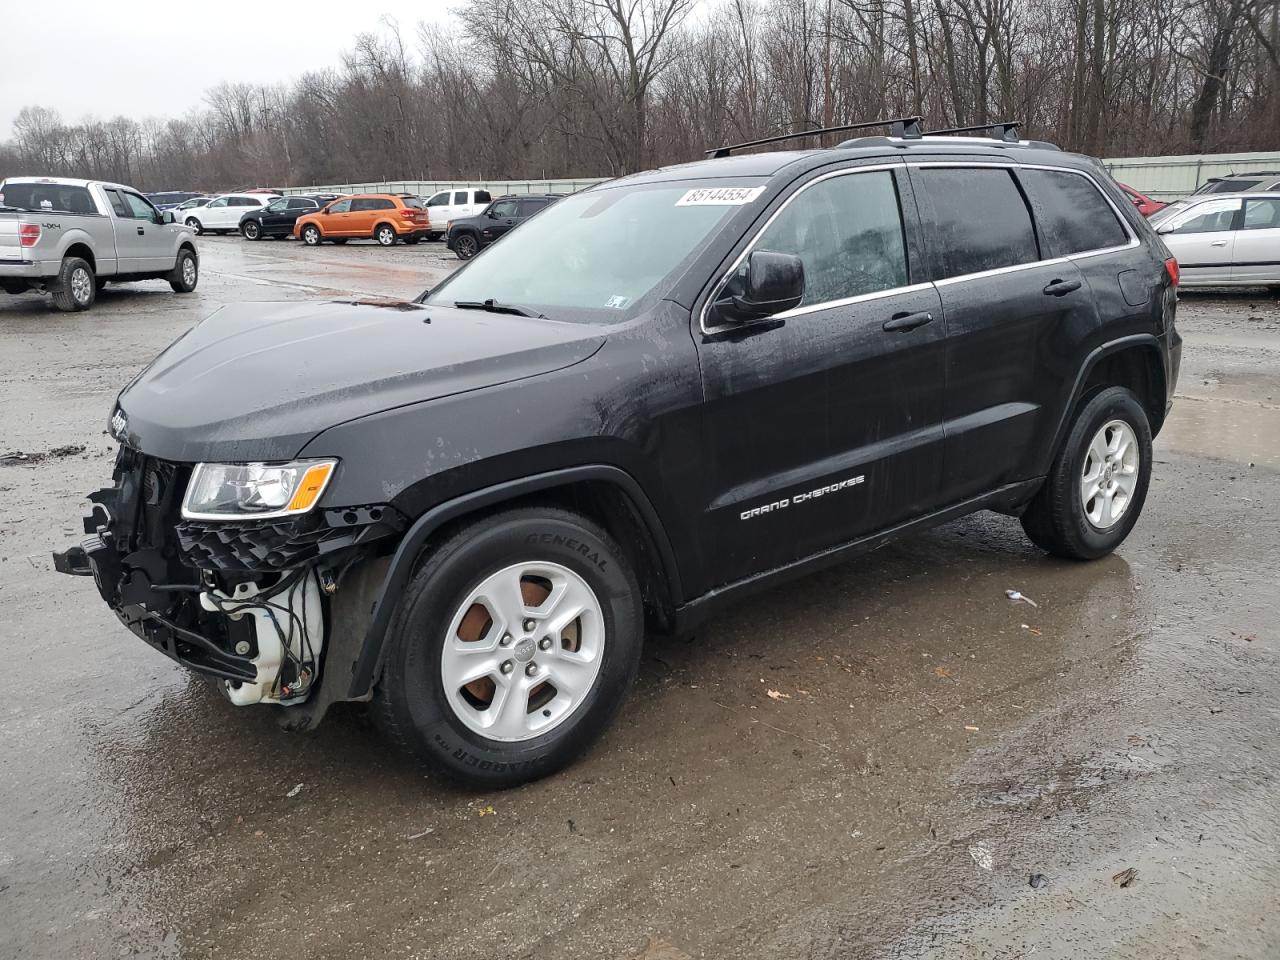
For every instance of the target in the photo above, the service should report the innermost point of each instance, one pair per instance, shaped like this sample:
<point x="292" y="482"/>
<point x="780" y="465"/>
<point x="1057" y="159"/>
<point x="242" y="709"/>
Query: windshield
<point x="1171" y="210"/>
<point x="605" y="251"/>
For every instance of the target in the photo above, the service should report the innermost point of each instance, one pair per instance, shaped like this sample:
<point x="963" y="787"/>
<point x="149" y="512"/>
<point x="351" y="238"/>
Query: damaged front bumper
<point x="246" y="602"/>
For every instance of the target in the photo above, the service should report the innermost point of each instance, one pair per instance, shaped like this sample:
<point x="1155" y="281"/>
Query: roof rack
<point x="906" y="127"/>
<point x="1006" y="130"/>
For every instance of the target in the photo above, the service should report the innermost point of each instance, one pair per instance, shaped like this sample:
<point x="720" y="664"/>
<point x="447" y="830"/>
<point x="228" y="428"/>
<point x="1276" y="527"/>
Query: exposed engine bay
<point x="246" y="602"/>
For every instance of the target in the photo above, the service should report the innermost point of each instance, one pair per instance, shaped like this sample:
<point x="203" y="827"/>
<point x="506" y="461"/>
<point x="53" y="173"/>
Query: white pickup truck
<point x="69" y="237"/>
<point x="448" y="205"/>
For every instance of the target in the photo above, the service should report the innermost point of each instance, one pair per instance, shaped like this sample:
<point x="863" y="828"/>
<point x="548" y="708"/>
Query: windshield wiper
<point x="493" y="306"/>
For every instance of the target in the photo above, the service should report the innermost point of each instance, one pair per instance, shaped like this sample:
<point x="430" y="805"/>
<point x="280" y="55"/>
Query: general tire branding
<point x="584" y="551"/>
<point x="799" y="498"/>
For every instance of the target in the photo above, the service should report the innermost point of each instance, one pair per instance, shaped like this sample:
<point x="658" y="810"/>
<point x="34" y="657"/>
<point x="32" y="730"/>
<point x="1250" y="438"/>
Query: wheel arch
<point x="1134" y="362"/>
<point x="81" y="249"/>
<point x="604" y="493"/>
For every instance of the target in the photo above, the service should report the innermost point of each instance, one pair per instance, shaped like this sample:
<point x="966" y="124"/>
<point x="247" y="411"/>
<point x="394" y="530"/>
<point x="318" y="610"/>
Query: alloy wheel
<point x="1109" y="476"/>
<point x="523" y="651"/>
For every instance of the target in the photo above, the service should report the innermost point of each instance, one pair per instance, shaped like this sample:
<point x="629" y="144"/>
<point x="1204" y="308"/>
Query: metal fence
<point x="1169" y="178"/>
<point x="1164" y="178"/>
<point x="424" y="188"/>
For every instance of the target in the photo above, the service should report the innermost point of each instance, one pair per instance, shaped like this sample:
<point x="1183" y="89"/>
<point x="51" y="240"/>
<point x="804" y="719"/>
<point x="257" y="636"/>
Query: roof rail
<point x="906" y="127"/>
<point x="1006" y="130"/>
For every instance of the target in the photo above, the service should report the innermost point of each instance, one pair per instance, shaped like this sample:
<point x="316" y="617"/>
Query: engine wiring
<point x="290" y="587"/>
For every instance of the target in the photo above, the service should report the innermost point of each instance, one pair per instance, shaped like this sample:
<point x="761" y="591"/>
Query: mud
<point x="937" y="747"/>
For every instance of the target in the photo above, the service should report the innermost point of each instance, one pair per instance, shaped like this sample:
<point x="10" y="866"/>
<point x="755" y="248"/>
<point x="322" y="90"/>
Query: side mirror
<point x="768" y="283"/>
<point x="326" y="210"/>
<point x="1165" y="228"/>
<point x="168" y="217"/>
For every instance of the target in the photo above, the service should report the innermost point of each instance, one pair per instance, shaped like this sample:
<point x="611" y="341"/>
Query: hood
<point x="256" y="381"/>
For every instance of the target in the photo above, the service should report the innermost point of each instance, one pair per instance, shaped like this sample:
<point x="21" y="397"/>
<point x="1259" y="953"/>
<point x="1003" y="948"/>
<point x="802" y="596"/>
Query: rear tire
<point x="185" y="274"/>
<point x="76" y="288"/>
<point x="311" y="235"/>
<point x="1098" y="482"/>
<point x="385" y="234"/>
<point x="561" y="682"/>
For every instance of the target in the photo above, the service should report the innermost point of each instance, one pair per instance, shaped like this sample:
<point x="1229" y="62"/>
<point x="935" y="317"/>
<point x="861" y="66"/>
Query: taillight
<point x="28" y="234"/>
<point x="1174" y="272"/>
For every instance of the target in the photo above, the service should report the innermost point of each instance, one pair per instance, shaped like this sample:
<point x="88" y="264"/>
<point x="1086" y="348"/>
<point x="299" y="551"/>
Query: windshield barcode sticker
<point x="719" y="196"/>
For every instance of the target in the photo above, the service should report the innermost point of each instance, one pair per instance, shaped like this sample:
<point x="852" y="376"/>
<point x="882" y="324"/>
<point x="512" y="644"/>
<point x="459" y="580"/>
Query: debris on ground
<point x="1032" y="630"/>
<point x="1017" y="597"/>
<point x="295" y="791"/>
<point x="660" y="949"/>
<point x="981" y="854"/>
<point x="19" y="457"/>
<point x="486" y="811"/>
<point x="971" y="729"/>
<point x="777" y="695"/>
<point x="1038" y="880"/>
<point x="419" y="836"/>
<point x="1126" y="877"/>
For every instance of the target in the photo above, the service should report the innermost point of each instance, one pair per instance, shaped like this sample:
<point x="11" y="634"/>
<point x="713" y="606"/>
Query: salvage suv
<point x="666" y="391"/>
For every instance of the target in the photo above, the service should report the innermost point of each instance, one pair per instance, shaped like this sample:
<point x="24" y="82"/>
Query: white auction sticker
<point x="719" y="196"/>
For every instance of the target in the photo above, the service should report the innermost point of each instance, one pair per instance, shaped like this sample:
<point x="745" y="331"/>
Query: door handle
<point x="901" y="322"/>
<point x="1218" y="243"/>
<point x="141" y="232"/>
<point x="1060" y="288"/>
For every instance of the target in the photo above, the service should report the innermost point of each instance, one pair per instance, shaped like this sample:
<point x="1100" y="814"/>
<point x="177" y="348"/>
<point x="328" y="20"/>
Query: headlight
<point x="226" y="491"/>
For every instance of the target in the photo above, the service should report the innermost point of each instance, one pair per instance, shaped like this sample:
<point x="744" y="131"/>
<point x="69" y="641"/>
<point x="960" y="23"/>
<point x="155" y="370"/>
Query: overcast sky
<point x="155" y="58"/>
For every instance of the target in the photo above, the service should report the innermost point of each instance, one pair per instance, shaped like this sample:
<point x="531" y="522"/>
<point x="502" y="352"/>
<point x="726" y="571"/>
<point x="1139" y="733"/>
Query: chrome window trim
<point x="812" y="307"/>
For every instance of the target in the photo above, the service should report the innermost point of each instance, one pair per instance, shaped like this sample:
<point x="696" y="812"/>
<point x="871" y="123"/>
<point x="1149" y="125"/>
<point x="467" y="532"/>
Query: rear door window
<point x="981" y="219"/>
<point x="1073" y="216"/>
<point x="301" y="203"/>
<point x="1261" y="215"/>
<point x="482" y="196"/>
<point x="117" y="204"/>
<point x="848" y="232"/>
<point x="460" y="196"/>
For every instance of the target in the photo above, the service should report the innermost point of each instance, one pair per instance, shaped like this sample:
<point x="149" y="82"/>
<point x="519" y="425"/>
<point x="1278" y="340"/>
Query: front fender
<point x="411" y="545"/>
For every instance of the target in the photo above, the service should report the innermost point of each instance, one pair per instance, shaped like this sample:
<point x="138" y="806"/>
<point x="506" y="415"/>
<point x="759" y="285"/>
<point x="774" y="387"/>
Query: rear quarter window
<point x="981" y="219"/>
<point x="1074" y="217"/>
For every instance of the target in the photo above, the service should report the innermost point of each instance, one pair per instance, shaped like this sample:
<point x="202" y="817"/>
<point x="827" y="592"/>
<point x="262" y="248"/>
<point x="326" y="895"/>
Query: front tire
<point x="76" y="289"/>
<point x="250" y="230"/>
<point x="1098" y="482"/>
<point x="532" y="613"/>
<point x="311" y="235"/>
<point x="465" y="246"/>
<point x="185" y="274"/>
<point x="196" y="227"/>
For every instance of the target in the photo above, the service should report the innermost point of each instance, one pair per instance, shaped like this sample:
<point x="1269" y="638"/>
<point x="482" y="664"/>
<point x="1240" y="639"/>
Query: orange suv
<point x="384" y="217"/>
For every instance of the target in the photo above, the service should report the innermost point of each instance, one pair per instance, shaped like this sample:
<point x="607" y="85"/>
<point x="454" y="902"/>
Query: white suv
<point x="222" y="214"/>
<point x="454" y="205"/>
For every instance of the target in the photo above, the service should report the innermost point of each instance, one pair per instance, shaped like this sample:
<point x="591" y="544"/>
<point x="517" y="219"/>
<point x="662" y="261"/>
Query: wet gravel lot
<point x="943" y="773"/>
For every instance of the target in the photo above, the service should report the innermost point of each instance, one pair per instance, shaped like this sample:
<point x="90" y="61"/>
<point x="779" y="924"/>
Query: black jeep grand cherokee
<point x="668" y="389"/>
